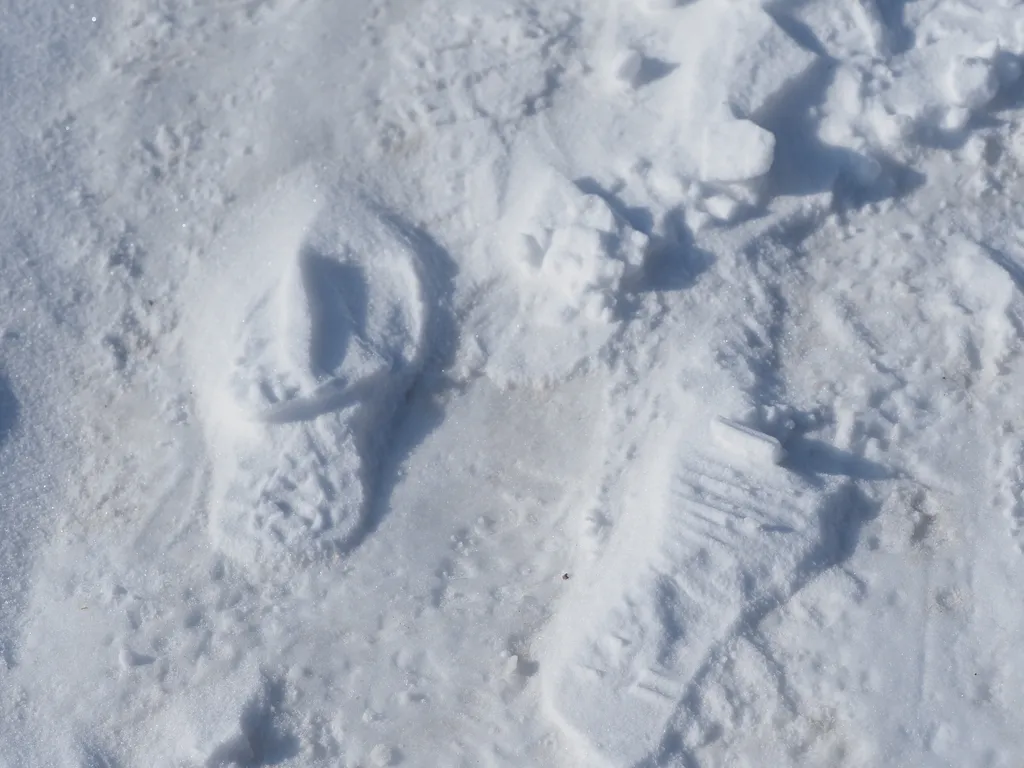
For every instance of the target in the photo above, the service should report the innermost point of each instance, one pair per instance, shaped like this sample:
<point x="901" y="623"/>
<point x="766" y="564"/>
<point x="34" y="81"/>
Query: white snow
<point x="703" y="545"/>
<point x="764" y="61"/>
<point x="736" y="151"/>
<point x="505" y="383"/>
<point x="627" y="67"/>
<point x="329" y="332"/>
<point x="748" y="444"/>
<point x="973" y="82"/>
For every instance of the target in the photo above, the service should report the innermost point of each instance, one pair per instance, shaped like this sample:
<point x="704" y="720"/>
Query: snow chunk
<point x="937" y="79"/>
<point x="736" y="151"/>
<point x="722" y="208"/>
<point x="661" y="5"/>
<point x="766" y="62"/>
<point x="626" y="68"/>
<point x="577" y="263"/>
<point x="972" y="82"/>
<point x="572" y="251"/>
<point x="746" y="442"/>
<point x="863" y="170"/>
<point x="869" y="19"/>
<point x="579" y="253"/>
<point x="383" y="755"/>
<point x="567" y="257"/>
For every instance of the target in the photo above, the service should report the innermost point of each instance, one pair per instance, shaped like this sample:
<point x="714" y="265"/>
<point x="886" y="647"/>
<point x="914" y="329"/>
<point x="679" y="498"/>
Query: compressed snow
<point x="702" y="546"/>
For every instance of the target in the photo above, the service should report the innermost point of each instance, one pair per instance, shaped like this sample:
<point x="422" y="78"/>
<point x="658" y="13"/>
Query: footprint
<point x="984" y="288"/>
<point x="325" y="344"/>
<point x="703" y="550"/>
<point x="240" y="716"/>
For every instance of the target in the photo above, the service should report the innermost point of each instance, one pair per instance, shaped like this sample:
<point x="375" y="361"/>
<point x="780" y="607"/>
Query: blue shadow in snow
<point x="673" y="261"/>
<point x="9" y="409"/>
<point x="415" y="417"/>
<point x="815" y="458"/>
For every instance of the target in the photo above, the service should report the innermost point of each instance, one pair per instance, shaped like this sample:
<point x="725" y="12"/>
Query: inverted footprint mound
<point x="323" y="344"/>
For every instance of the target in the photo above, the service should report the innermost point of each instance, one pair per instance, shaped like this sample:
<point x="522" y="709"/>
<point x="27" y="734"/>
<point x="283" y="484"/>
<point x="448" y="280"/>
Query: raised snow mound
<point x="566" y="259"/>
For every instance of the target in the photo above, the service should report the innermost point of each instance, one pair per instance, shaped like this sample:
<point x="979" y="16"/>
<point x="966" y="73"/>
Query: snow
<point x="501" y="383"/>
<point x="763" y="63"/>
<point x="716" y="546"/>
<point x="736" y="151"/>
<point x="322" y="348"/>
<point x="627" y="68"/>
<point x="748" y="444"/>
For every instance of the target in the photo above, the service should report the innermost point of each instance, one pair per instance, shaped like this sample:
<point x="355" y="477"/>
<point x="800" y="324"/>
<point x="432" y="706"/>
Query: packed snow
<point x="512" y="383"/>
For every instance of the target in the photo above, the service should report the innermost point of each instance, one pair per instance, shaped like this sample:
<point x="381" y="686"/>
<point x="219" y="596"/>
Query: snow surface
<point x="512" y="383"/>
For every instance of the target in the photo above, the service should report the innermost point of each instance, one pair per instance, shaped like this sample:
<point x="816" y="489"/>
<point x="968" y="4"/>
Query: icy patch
<point x="324" y="339"/>
<point x="708" y="543"/>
